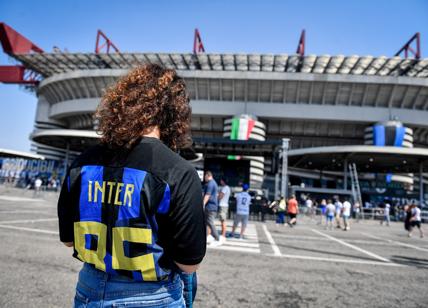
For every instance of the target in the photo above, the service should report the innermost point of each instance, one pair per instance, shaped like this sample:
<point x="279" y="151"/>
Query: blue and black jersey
<point x="133" y="212"/>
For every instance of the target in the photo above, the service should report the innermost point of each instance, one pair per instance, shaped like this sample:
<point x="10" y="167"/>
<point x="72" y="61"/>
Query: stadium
<point x="356" y="124"/>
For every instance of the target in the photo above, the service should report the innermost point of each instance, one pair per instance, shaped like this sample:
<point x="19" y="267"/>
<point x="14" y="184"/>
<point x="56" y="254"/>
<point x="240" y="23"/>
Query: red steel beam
<point x="14" y="42"/>
<point x="408" y="48"/>
<point x="107" y="43"/>
<point x="198" y="46"/>
<point x="301" y="46"/>
<point x="17" y="74"/>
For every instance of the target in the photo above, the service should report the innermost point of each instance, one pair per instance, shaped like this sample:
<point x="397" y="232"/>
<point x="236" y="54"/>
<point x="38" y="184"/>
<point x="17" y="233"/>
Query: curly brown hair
<point x="147" y="96"/>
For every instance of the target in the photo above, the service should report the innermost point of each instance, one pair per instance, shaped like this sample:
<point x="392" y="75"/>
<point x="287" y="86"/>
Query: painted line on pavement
<point x="234" y="248"/>
<point x="2" y="222"/>
<point x="30" y="229"/>
<point x="241" y="243"/>
<point x="322" y="239"/>
<point x="352" y="246"/>
<point x="22" y="212"/>
<point x="395" y="242"/>
<point x="299" y="237"/>
<point x="337" y="260"/>
<point x="20" y="199"/>
<point x="275" y="248"/>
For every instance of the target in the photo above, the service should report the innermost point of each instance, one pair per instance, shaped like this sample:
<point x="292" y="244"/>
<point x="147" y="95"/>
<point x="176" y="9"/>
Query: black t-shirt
<point x="133" y="212"/>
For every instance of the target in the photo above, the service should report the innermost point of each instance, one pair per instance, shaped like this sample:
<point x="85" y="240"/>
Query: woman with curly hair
<point x="130" y="207"/>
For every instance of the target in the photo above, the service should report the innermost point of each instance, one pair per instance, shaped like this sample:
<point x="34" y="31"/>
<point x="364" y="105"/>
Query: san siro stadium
<point x="355" y="124"/>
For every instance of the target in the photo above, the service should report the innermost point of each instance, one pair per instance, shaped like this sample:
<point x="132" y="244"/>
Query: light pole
<point x="284" y="173"/>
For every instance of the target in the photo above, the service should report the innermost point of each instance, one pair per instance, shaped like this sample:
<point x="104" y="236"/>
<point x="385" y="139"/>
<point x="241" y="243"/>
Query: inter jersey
<point x="243" y="201"/>
<point x="133" y="212"/>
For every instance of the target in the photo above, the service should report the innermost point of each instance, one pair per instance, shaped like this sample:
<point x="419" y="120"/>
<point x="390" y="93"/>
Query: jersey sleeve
<point x="65" y="212"/>
<point x="187" y="221"/>
<point x="67" y="202"/>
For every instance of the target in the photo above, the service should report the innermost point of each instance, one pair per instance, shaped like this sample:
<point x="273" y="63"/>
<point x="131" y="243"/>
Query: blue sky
<point x="364" y="27"/>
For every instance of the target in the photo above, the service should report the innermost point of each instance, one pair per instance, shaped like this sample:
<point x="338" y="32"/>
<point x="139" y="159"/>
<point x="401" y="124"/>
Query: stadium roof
<point x="48" y="64"/>
<point x="78" y="140"/>
<point x="368" y="158"/>
<point x="19" y="154"/>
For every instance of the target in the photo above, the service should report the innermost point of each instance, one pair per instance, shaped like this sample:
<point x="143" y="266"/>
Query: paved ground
<point x="306" y="266"/>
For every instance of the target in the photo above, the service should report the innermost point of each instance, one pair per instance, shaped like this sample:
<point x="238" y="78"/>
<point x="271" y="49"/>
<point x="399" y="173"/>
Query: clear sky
<point x="360" y="27"/>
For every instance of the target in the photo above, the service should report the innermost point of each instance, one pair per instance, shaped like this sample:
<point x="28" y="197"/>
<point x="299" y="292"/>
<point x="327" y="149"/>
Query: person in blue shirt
<point x="243" y="201"/>
<point x="211" y="207"/>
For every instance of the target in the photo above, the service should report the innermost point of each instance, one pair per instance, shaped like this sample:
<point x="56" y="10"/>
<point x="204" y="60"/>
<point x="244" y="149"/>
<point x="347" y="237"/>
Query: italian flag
<point x="241" y="130"/>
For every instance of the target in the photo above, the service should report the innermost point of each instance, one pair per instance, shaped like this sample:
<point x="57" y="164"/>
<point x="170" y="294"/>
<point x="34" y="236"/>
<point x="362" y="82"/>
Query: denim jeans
<point x="190" y="285"/>
<point x="95" y="288"/>
<point x="281" y="218"/>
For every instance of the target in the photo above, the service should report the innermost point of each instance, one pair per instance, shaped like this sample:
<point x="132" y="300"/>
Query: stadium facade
<point x="315" y="101"/>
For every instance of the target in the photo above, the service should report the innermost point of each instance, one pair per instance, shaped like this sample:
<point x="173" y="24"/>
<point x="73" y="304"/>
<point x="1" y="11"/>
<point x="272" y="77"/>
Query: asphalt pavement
<point x="274" y="266"/>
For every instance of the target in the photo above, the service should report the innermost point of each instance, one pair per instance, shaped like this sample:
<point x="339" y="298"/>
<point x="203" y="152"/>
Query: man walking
<point x="386" y="212"/>
<point x="346" y="213"/>
<point x="329" y="215"/>
<point x="243" y="201"/>
<point x="415" y="220"/>
<point x="37" y="187"/>
<point x="279" y="207"/>
<point x="211" y="207"/>
<point x="223" y="198"/>
<point x="292" y="210"/>
<point x="339" y="207"/>
<point x="310" y="207"/>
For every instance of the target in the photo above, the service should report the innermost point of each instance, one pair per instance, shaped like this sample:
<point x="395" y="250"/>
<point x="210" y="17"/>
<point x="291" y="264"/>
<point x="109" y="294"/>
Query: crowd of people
<point x="333" y="213"/>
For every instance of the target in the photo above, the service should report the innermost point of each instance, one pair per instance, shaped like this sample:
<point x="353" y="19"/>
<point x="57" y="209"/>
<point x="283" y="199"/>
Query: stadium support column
<point x="277" y="195"/>
<point x="421" y="184"/>
<point x="345" y="174"/>
<point x="284" y="173"/>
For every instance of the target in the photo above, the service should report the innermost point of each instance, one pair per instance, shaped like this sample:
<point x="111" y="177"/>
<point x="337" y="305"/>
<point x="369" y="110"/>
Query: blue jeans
<point x="190" y="285"/>
<point x="281" y="218"/>
<point x="95" y="288"/>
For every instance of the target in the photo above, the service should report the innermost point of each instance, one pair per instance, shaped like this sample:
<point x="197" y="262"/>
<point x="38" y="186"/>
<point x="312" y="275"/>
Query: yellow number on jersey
<point x="144" y="263"/>
<point x="82" y="228"/>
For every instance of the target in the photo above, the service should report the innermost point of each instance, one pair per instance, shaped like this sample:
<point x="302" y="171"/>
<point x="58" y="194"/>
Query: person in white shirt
<point x="243" y="201"/>
<point x="338" y="206"/>
<point x="309" y="207"/>
<point x="346" y="213"/>
<point x="386" y="211"/>
<point x="357" y="211"/>
<point x="415" y="220"/>
<point x="223" y="209"/>
<point x="37" y="186"/>
<point x="330" y="211"/>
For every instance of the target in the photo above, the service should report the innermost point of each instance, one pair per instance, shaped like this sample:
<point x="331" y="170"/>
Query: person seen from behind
<point x="415" y="220"/>
<point x="330" y="212"/>
<point x="407" y="215"/>
<point x="339" y="207"/>
<point x="292" y="210"/>
<point x="279" y="206"/>
<point x="131" y="207"/>
<point x="346" y="213"/>
<point x="310" y="207"/>
<point x="243" y="201"/>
